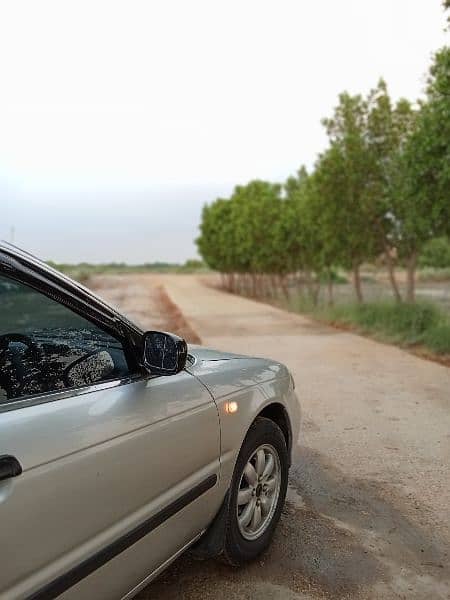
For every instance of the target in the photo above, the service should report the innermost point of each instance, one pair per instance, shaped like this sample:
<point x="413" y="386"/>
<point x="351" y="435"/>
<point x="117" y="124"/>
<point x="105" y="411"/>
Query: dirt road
<point x="368" y="510"/>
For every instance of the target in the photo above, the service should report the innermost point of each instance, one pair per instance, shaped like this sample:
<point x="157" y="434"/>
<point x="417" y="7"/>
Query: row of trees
<point x="380" y="189"/>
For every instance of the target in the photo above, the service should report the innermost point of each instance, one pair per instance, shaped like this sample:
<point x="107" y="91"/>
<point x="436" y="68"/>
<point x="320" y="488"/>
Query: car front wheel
<point x="257" y="493"/>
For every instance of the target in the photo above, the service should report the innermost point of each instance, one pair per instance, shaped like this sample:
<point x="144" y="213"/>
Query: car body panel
<point x="253" y="384"/>
<point x="95" y="466"/>
<point x="210" y="354"/>
<point x="227" y="373"/>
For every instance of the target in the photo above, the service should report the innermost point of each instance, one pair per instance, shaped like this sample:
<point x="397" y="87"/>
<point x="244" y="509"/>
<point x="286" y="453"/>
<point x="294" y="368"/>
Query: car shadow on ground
<point x="339" y="537"/>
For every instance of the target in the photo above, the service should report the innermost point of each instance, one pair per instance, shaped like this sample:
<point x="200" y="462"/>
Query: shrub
<point x="437" y="338"/>
<point x="407" y="324"/>
<point x="335" y="276"/>
<point x="434" y="275"/>
<point x="436" y="254"/>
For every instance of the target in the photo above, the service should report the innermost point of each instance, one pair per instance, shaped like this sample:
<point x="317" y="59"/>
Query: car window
<point x="46" y="347"/>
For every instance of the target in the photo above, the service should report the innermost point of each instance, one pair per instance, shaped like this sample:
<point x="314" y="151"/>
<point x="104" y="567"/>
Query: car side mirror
<point x="164" y="353"/>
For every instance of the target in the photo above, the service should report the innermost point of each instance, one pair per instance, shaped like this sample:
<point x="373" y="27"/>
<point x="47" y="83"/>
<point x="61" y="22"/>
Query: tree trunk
<point x="258" y="285"/>
<point x="313" y="288"/>
<point x="330" y="289"/>
<point x="254" y="285"/>
<point x="264" y="286"/>
<point x="309" y="285"/>
<point x="392" y="279"/>
<point x="357" y="283"/>
<point x="411" y="277"/>
<point x="299" y="277"/>
<point x="284" y="286"/>
<point x="274" y="285"/>
<point x="316" y="294"/>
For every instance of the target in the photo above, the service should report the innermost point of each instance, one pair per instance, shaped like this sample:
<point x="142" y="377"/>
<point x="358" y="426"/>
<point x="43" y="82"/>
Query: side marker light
<point x="231" y="407"/>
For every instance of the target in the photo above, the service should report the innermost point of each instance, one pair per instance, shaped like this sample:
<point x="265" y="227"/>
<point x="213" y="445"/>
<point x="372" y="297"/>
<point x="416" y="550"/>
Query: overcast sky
<point x="119" y="120"/>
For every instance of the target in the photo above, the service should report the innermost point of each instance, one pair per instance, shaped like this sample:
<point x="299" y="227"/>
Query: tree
<point x="216" y="242"/>
<point x="240" y="236"/>
<point x="382" y="186"/>
<point x="344" y="181"/>
<point x="423" y="181"/>
<point x="388" y="128"/>
<point x="446" y="5"/>
<point x="255" y="212"/>
<point x="301" y="231"/>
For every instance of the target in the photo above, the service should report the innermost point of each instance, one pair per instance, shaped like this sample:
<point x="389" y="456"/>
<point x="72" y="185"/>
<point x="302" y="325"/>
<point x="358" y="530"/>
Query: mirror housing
<point x="164" y="353"/>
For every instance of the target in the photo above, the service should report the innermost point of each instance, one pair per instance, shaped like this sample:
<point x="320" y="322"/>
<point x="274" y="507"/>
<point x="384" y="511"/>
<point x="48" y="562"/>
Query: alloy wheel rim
<point x="259" y="489"/>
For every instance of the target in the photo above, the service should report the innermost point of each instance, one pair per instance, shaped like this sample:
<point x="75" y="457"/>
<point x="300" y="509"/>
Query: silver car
<point x="120" y="449"/>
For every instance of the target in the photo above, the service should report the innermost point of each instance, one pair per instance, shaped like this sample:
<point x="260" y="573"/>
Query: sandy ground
<point x="368" y="510"/>
<point x="144" y="300"/>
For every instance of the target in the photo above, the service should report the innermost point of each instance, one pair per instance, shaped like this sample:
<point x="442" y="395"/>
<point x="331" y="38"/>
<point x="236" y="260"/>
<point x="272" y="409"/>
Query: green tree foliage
<point x="256" y="210"/>
<point x="216" y="242"/>
<point x="344" y="179"/>
<point x="242" y="237"/>
<point x="423" y="186"/>
<point x="304" y="230"/>
<point x="388" y="128"/>
<point x="382" y="187"/>
<point x="446" y="5"/>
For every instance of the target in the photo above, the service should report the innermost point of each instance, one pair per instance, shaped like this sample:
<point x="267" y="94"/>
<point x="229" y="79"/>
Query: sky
<point x="120" y="120"/>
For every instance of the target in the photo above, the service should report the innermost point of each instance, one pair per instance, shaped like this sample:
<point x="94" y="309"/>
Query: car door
<point x="105" y="473"/>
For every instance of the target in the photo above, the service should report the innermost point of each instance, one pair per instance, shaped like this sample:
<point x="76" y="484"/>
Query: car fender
<point x="243" y="389"/>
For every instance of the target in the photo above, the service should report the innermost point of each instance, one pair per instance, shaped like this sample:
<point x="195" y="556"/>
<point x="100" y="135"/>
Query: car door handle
<point x="9" y="467"/>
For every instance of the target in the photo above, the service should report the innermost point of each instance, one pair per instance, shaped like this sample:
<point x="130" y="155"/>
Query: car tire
<point x="249" y="526"/>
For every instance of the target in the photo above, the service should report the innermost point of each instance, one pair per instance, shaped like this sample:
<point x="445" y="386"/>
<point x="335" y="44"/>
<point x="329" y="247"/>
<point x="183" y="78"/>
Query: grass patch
<point x="438" y="338"/>
<point x="420" y="324"/>
<point x="83" y="271"/>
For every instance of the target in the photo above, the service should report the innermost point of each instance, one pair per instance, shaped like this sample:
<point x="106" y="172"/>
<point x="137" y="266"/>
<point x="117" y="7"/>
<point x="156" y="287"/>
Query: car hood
<point x="224" y="373"/>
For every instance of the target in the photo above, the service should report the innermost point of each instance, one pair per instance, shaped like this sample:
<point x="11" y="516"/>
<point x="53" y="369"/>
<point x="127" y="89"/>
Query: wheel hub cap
<point x="259" y="489"/>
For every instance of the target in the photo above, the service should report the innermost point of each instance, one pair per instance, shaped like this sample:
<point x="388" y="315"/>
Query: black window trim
<point x="67" y="393"/>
